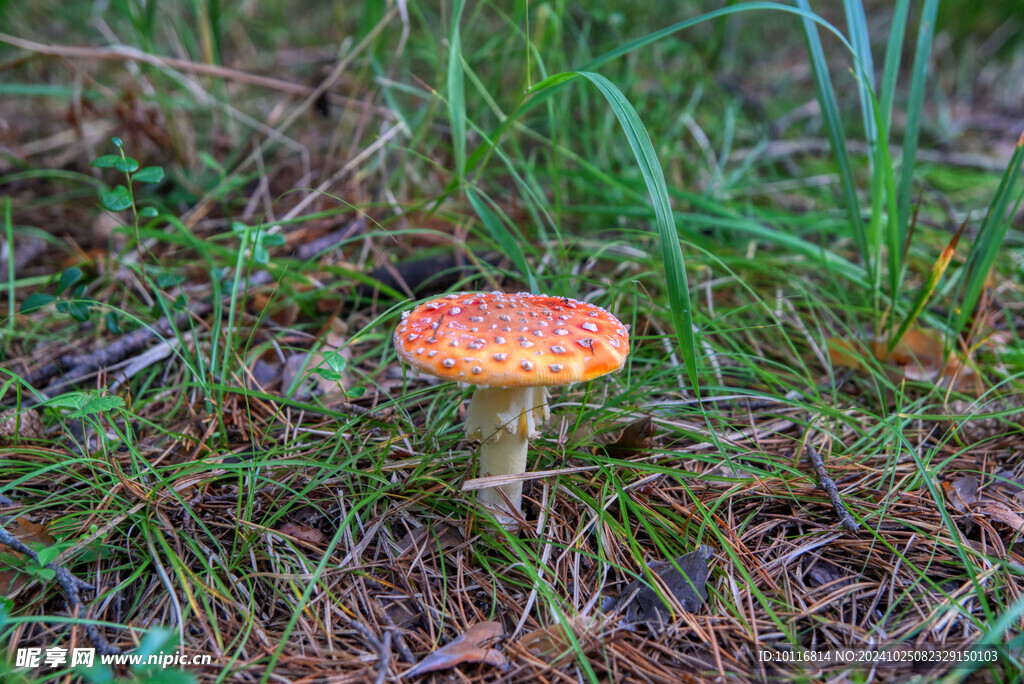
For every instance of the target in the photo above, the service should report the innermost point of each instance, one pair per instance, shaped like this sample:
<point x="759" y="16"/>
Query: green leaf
<point x="148" y="212"/>
<point x="107" y="161"/>
<point x="328" y="374"/>
<point x="260" y="254"/>
<point x="989" y="241"/>
<point x="273" y="240"/>
<point x="127" y="165"/>
<point x="915" y="105"/>
<point x="113" y="325"/>
<point x="68" y="278"/>
<point x="834" y="128"/>
<point x="67" y="400"/>
<point x="45" y="574"/>
<point x="47" y="554"/>
<point x="671" y="253"/>
<point x="355" y="392"/>
<point x="97" y="404"/>
<point x="79" y="311"/>
<point x="180" y="303"/>
<point x="62" y="307"/>
<point x="117" y="199"/>
<point x="118" y="143"/>
<point x="165" y="280"/>
<point x="36" y="300"/>
<point x="336" y="361"/>
<point x="149" y="174"/>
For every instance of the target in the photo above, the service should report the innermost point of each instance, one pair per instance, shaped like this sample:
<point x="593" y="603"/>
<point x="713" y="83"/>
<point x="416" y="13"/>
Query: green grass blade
<point x="834" y="129"/>
<point x="893" y="55"/>
<point x="508" y="243"/>
<point x="915" y="102"/>
<point x="671" y="253"/>
<point x="858" y="27"/>
<point x="457" y="93"/>
<point x="928" y="289"/>
<point x="989" y="240"/>
<point x="548" y="87"/>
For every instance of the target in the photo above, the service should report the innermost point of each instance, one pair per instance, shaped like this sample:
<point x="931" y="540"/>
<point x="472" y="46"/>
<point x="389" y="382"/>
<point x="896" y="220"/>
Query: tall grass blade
<point x="671" y="253"/>
<point x="989" y="240"/>
<point x="865" y="66"/>
<point x="915" y="102"/>
<point x="538" y="95"/>
<point x="928" y="289"/>
<point x="893" y="56"/>
<point x="457" y="93"/>
<point x="834" y="129"/>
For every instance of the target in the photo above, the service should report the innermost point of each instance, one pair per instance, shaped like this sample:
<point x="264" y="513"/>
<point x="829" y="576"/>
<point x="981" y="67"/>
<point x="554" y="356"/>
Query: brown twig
<point x="403" y="648"/>
<point x="829" y="486"/>
<point x="69" y="584"/>
<point x="76" y="367"/>
<point x="382" y="646"/>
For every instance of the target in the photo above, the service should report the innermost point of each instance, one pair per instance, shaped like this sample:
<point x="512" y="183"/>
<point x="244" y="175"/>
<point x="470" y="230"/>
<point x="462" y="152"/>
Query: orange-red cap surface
<point x="511" y="340"/>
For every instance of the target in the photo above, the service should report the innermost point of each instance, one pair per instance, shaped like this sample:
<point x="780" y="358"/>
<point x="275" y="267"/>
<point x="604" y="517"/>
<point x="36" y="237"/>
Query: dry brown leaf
<point x="302" y="532"/>
<point x="28" y="532"/>
<point x="428" y="539"/>
<point x="635" y="437"/>
<point x="548" y="643"/>
<point x="1001" y="513"/>
<point x="472" y="647"/>
<point x="962" y="492"/>
<point x="642" y="603"/>
<point x="919" y="356"/>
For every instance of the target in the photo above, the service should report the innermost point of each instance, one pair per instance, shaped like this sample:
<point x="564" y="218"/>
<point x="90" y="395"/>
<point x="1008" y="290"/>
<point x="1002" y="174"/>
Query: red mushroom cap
<point x="511" y="340"/>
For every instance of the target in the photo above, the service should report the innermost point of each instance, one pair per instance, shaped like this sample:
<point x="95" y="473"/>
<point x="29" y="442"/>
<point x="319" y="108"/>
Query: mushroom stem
<point x="504" y="419"/>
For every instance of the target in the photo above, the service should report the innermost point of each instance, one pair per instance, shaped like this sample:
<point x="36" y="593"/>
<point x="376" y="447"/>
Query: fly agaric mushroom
<point x="512" y="347"/>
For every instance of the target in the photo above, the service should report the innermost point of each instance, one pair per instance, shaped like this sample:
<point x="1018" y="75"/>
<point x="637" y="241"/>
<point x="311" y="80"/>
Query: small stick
<point x="383" y="648"/>
<point x="829" y="485"/>
<point x="70" y="585"/>
<point x="403" y="649"/>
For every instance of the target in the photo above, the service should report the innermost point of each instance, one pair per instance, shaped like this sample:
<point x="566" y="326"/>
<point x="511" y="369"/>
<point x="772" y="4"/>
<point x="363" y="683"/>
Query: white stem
<point x="505" y="456"/>
<point x="504" y="419"/>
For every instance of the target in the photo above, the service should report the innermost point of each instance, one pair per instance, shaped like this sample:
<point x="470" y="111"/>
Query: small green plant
<point x="257" y="240"/>
<point x="122" y="197"/>
<point x="68" y="297"/>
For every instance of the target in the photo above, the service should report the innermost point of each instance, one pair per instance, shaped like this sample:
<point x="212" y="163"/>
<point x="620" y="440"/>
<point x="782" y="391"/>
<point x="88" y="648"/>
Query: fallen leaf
<point x="402" y="612"/>
<point x="962" y="492"/>
<point x="12" y="579"/>
<point x="1001" y="513"/>
<point x="472" y="647"/>
<point x="302" y="532"/>
<point x="821" y="572"/>
<point x="643" y="604"/>
<point x="428" y="539"/>
<point x="920" y="355"/>
<point x="264" y="373"/>
<point x="635" y="437"/>
<point x="548" y="643"/>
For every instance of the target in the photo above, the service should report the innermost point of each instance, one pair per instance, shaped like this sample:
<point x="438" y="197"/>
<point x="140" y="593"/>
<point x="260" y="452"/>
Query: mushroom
<point x="512" y="347"/>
